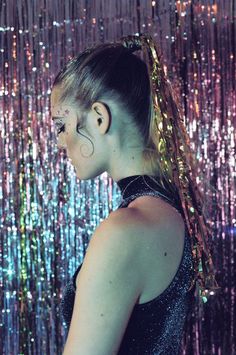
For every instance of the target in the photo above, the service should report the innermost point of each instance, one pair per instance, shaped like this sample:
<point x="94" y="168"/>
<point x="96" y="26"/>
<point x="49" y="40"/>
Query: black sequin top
<point x="154" y="327"/>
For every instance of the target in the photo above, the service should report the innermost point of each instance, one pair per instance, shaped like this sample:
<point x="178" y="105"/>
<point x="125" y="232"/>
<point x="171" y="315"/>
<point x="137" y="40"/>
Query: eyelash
<point x="61" y="129"/>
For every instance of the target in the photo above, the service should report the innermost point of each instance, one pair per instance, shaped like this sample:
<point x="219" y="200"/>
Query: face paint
<point x="59" y="124"/>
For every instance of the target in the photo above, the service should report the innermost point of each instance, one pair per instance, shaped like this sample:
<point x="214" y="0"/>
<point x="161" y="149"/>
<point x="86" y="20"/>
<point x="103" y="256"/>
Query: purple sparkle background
<point x="47" y="216"/>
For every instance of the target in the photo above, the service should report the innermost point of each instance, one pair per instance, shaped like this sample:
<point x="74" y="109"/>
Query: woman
<point x="132" y="293"/>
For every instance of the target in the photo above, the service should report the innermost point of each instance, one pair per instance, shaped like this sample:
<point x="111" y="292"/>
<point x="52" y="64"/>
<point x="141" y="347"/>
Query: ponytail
<point x="169" y="144"/>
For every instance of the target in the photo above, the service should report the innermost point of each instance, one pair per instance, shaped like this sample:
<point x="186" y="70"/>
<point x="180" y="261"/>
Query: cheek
<point x="73" y="144"/>
<point x="79" y="145"/>
<point x="70" y="135"/>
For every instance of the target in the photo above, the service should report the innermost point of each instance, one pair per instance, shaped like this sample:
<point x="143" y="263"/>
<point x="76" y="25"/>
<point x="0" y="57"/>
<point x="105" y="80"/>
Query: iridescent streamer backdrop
<point x="47" y="215"/>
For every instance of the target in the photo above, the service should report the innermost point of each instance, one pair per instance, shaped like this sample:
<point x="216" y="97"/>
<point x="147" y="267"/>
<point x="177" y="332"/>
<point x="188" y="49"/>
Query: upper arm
<point x="108" y="287"/>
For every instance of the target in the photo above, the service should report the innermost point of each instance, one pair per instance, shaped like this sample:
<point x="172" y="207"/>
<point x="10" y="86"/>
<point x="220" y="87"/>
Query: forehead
<point x="55" y="96"/>
<point x="58" y="108"/>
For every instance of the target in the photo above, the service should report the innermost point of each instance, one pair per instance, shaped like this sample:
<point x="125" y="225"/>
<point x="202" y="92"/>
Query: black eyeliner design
<point x="60" y="126"/>
<point x="61" y="129"/>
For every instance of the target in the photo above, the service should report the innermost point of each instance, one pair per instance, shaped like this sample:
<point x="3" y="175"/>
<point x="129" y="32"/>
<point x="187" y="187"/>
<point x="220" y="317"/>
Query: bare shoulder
<point x="129" y="226"/>
<point x="115" y="242"/>
<point x="149" y="223"/>
<point x="150" y="214"/>
<point x="127" y="218"/>
<point x="121" y="231"/>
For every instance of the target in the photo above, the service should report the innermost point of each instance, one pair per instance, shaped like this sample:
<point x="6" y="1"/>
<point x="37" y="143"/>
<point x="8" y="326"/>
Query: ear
<point x="102" y="115"/>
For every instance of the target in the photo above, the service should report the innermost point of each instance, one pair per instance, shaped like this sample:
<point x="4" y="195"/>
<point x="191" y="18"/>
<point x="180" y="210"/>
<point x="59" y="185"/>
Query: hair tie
<point x="132" y="42"/>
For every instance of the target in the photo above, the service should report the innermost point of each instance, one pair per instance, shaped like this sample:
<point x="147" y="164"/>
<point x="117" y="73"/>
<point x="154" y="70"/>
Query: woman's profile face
<point x="62" y="116"/>
<point x="82" y="149"/>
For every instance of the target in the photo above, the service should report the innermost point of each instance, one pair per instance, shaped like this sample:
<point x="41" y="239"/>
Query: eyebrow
<point x="57" y="117"/>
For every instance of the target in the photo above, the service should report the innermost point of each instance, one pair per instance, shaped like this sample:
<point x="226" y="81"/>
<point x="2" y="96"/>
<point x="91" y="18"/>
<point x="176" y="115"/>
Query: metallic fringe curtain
<point x="47" y="216"/>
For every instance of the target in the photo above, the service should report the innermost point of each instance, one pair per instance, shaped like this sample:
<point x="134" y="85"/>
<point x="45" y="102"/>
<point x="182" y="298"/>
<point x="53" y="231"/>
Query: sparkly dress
<point x="154" y="327"/>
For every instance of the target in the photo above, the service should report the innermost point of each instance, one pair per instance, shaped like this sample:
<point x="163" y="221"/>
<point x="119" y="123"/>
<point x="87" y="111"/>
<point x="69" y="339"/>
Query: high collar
<point x="134" y="184"/>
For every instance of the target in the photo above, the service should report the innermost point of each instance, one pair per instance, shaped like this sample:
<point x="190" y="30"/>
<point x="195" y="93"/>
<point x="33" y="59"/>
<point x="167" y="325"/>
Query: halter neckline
<point x="135" y="184"/>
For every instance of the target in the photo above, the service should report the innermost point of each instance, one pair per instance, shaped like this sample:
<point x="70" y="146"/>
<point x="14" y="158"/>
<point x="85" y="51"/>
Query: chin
<point x="83" y="175"/>
<point x="80" y="175"/>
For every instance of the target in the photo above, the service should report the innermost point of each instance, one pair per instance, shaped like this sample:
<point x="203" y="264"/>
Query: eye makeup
<point x="60" y="128"/>
<point x="59" y="125"/>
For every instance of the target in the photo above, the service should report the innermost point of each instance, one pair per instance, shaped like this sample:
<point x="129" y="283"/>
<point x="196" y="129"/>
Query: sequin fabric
<point x="154" y="327"/>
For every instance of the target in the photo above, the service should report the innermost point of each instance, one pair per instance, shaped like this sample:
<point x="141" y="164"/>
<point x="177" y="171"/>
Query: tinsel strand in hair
<point x="174" y="147"/>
